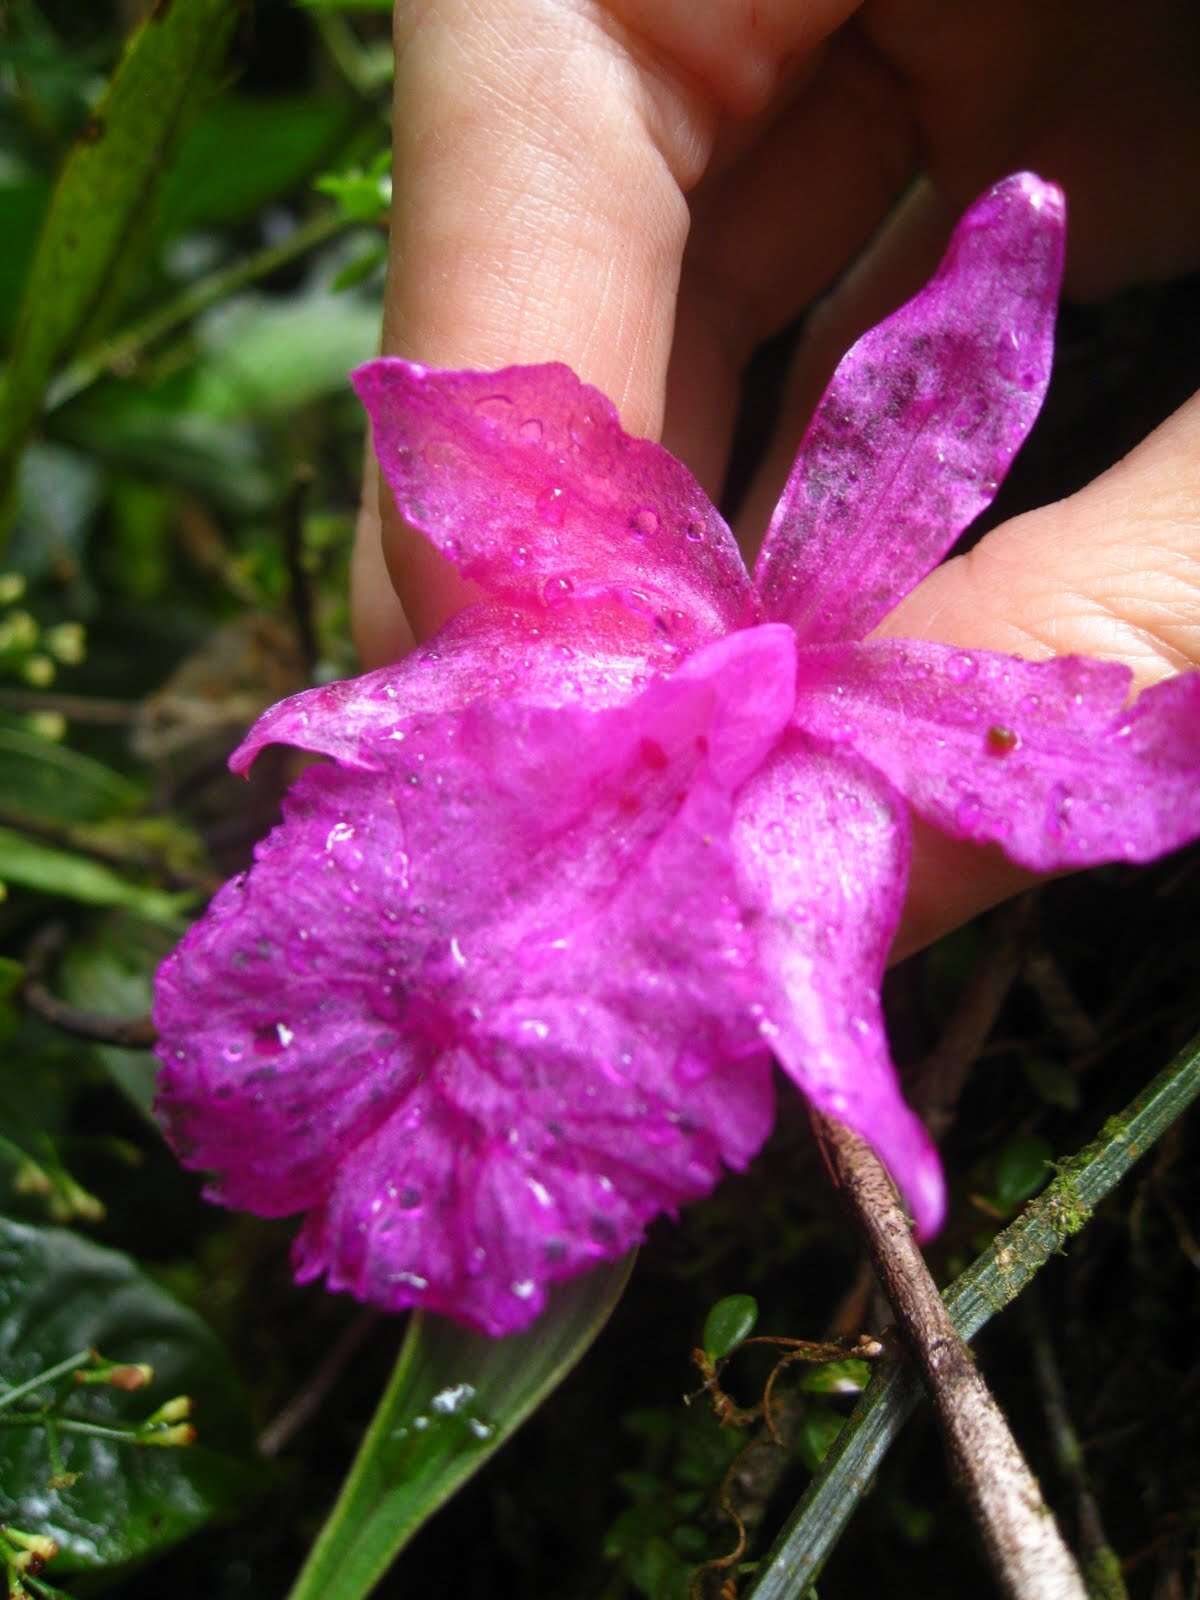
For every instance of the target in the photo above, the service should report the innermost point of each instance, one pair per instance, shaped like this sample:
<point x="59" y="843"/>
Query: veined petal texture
<point x="525" y="479"/>
<point x="822" y="845"/>
<point x="1043" y="758"/>
<point x="920" y="422"/>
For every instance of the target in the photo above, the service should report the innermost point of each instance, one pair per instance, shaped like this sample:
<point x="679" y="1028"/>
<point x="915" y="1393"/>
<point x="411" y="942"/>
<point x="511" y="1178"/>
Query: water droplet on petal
<point x="961" y="667"/>
<point x="556" y="590"/>
<point x="551" y="507"/>
<point x="523" y="1288"/>
<point x="497" y="408"/>
<point x="644" y="522"/>
<point x="531" y="430"/>
<point x="694" y="532"/>
<point x="1058" y="810"/>
<point x="968" y="812"/>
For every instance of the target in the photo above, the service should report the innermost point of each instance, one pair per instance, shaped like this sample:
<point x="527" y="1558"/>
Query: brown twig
<point x="131" y="1033"/>
<point x="1099" y="1559"/>
<point x="1023" y="1543"/>
<point x="942" y="1075"/>
<point x="75" y="707"/>
<point x="299" y="585"/>
<point x="282" y="1428"/>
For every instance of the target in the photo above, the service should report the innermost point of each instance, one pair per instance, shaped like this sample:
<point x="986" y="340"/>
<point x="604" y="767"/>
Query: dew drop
<point x="961" y="667"/>
<point x="968" y="812"/>
<point x="497" y="408"/>
<point x="1058" y="810"/>
<point x="551" y="506"/>
<point x="774" y="838"/>
<point x="531" y="430"/>
<point x="556" y="590"/>
<point x="644" y="522"/>
<point x="233" y="1052"/>
<point x="522" y="1288"/>
<point x="694" y="532"/>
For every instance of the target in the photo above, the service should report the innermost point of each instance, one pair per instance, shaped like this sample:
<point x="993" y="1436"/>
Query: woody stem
<point x="1024" y="1546"/>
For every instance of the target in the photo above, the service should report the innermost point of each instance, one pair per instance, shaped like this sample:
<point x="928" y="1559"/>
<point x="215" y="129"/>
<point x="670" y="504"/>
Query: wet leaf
<point x="729" y="1322"/>
<point x="32" y="865"/>
<point x="60" y="1294"/>
<point x="103" y="202"/>
<point x="454" y="1398"/>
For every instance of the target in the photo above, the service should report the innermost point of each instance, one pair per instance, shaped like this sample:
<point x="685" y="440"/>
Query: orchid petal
<point x="1043" y="758"/>
<point x="525" y="479"/>
<point x="593" y="654"/>
<point x="822" y="846"/>
<point x="920" y="422"/>
<point x="519" y="985"/>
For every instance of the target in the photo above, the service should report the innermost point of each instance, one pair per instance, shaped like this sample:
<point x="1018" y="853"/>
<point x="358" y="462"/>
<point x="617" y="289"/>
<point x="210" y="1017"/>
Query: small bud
<point x="38" y="671"/>
<point x="126" y="1375"/>
<point x="48" y="725"/>
<point x="33" y="1551"/>
<point x="174" y="1410"/>
<point x="29" y="1178"/>
<point x="66" y="642"/>
<point x="178" y="1437"/>
<point x="18" y="633"/>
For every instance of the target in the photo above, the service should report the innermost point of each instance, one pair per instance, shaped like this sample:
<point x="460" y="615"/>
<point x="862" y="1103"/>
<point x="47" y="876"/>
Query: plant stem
<point x="1101" y="1566"/>
<point x="995" y="1279"/>
<point x="1024" y="1546"/>
<point x="40" y="1380"/>
<point x="121" y="353"/>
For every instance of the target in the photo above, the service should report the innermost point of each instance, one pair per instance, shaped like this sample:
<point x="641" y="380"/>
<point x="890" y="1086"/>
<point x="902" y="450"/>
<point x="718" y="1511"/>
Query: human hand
<point x="646" y="190"/>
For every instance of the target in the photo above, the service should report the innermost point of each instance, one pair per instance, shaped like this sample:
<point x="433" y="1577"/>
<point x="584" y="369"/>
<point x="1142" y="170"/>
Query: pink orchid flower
<point x="507" y="981"/>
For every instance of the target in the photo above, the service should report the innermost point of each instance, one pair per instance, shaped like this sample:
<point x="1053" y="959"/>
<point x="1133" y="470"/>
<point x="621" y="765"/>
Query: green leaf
<point x="729" y="1322"/>
<point x="819" y="1429"/>
<point x="263" y="358"/>
<point x="58" y="1295"/>
<point x="51" y="781"/>
<point x="103" y="201"/>
<point x="112" y="973"/>
<point x="242" y="154"/>
<point x="452" y="1401"/>
<point x="41" y="867"/>
<point x="1022" y="1167"/>
<point x="1056" y="1084"/>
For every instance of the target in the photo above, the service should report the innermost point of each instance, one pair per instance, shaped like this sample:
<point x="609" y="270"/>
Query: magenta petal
<point x="920" y="422"/>
<point x="1042" y="758"/>
<point x="525" y="479"/>
<point x="591" y="654"/>
<point x="822" y="847"/>
<point x="505" y="981"/>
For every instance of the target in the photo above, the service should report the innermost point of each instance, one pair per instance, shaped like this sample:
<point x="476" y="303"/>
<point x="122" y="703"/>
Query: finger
<point x="1113" y="572"/>
<point x="774" y="229"/>
<point x="380" y="628"/>
<point x="897" y="262"/>
<point x="543" y="149"/>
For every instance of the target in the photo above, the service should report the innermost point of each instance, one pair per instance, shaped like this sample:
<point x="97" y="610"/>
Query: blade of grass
<point x="992" y="1282"/>
<point x="453" y="1399"/>
<point x="102" y="204"/>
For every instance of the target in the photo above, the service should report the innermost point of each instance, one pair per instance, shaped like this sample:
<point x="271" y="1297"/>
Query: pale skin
<point x="646" y="189"/>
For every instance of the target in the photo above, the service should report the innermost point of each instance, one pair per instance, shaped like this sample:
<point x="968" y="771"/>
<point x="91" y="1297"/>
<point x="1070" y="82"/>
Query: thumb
<point x="1112" y="572"/>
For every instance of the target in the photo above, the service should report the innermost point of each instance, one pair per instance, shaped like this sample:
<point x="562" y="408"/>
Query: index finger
<point x="542" y="154"/>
